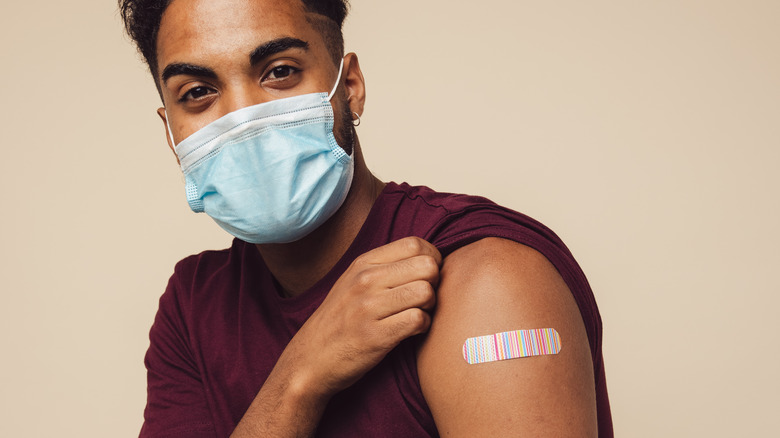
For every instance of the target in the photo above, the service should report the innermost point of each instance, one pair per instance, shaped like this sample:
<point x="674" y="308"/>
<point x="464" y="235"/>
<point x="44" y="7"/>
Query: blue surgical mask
<point x="268" y="173"/>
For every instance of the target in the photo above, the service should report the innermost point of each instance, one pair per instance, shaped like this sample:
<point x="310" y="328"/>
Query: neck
<point x="297" y="266"/>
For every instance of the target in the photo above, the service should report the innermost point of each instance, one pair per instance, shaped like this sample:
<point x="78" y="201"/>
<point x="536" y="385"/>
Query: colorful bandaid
<point x="511" y="345"/>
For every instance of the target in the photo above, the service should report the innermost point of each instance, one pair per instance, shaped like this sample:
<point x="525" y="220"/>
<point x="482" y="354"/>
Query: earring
<point x="356" y="120"/>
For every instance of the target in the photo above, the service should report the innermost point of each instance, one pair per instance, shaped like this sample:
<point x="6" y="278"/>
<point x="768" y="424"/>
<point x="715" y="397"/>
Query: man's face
<point x="217" y="56"/>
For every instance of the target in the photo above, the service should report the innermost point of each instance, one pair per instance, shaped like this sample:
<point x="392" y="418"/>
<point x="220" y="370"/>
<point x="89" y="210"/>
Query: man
<point x="343" y="305"/>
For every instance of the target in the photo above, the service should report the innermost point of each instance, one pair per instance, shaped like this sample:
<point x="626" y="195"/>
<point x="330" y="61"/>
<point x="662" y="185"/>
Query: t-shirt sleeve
<point x="176" y="404"/>
<point x="485" y="219"/>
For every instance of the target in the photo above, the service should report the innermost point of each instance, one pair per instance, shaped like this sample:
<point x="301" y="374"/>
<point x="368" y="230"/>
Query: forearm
<point x="286" y="406"/>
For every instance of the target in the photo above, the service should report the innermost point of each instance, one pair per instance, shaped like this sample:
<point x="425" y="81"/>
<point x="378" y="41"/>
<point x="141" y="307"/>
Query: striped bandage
<point x="511" y="345"/>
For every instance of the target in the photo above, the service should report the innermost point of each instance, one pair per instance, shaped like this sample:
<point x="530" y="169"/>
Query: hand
<point x="382" y="298"/>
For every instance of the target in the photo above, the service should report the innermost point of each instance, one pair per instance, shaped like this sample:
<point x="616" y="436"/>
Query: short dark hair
<point x="142" y="22"/>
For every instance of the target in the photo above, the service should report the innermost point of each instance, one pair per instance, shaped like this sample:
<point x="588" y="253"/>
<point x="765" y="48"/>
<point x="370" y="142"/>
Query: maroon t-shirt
<point x="222" y="324"/>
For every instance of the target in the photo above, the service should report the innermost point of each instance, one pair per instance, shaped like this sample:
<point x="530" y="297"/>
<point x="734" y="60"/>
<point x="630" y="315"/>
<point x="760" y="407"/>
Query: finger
<point x="419" y="294"/>
<point x="398" y="273"/>
<point x="421" y="267"/>
<point x="405" y="324"/>
<point x="402" y="249"/>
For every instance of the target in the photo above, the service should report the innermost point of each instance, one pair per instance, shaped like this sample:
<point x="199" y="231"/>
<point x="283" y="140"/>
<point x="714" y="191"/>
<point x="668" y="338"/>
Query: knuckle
<point x="417" y="319"/>
<point x="429" y="264"/>
<point x="421" y="291"/>
<point x="414" y="244"/>
<point x="428" y="295"/>
<point x="364" y="279"/>
<point x="425" y="267"/>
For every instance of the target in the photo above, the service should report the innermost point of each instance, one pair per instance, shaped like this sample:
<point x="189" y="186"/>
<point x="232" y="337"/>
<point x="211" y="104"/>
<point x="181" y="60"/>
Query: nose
<point x="241" y="94"/>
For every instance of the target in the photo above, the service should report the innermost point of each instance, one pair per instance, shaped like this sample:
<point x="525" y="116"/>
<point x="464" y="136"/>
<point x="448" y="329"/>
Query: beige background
<point x="647" y="134"/>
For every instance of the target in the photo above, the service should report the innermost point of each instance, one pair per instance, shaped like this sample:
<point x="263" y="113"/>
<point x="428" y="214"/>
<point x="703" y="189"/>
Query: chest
<point x="239" y="344"/>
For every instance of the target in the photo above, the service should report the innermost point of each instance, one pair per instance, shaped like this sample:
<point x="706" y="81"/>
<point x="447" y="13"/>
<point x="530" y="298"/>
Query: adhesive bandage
<point x="511" y="345"/>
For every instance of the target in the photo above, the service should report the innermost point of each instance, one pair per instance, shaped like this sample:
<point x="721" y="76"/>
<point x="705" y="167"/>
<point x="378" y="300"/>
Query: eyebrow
<point x="258" y="54"/>
<point x="180" y="68"/>
<point x="275" y="46"/>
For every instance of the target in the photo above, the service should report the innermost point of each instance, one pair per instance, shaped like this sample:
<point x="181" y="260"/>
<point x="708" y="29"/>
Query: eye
<point x="280" y="72"/>
<point x="196" y="93"/>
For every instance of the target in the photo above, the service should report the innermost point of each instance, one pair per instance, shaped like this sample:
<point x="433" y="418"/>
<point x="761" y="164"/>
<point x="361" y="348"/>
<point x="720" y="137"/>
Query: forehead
<point x="193" y="29"/>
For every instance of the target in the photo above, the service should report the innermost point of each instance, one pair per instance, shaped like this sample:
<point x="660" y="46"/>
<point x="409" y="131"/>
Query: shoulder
<point x="493" y="275"/>
<point x="476" y="233"/>
<point x="451" y="220"/>
<point x="490" y="286"/>
<point x="432" y="202"/>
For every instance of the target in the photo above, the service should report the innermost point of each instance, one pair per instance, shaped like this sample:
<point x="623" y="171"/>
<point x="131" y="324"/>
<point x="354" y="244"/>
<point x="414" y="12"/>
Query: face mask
<point x="268" y="173"/>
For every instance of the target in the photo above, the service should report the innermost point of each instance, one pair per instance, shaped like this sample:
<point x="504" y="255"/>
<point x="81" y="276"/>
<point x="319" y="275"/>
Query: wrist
<point x="306" y="390"/>
<point x="298" y="386"/>
<point x="288" y="404"/>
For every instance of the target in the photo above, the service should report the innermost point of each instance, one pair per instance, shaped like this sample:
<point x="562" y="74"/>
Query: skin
<point x="387" y="294"/>
<point x="492" y="286"/>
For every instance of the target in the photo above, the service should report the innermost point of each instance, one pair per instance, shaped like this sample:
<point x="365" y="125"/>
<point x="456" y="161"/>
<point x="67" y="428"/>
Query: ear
<point x="168" y="135"/>
<point x="354" y="83"/>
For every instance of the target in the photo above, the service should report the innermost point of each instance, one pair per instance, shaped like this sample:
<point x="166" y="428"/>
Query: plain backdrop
<point x="646" y="134"/>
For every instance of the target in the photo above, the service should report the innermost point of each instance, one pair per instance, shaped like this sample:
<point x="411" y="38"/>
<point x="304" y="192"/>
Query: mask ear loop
<point x="170" y="132"/>
<point x="338" y="79"/>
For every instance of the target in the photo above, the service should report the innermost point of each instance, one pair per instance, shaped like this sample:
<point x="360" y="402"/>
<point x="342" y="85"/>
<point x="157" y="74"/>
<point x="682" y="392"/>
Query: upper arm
<point x="492" y="286"/>
<point x="176" y="404"/>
